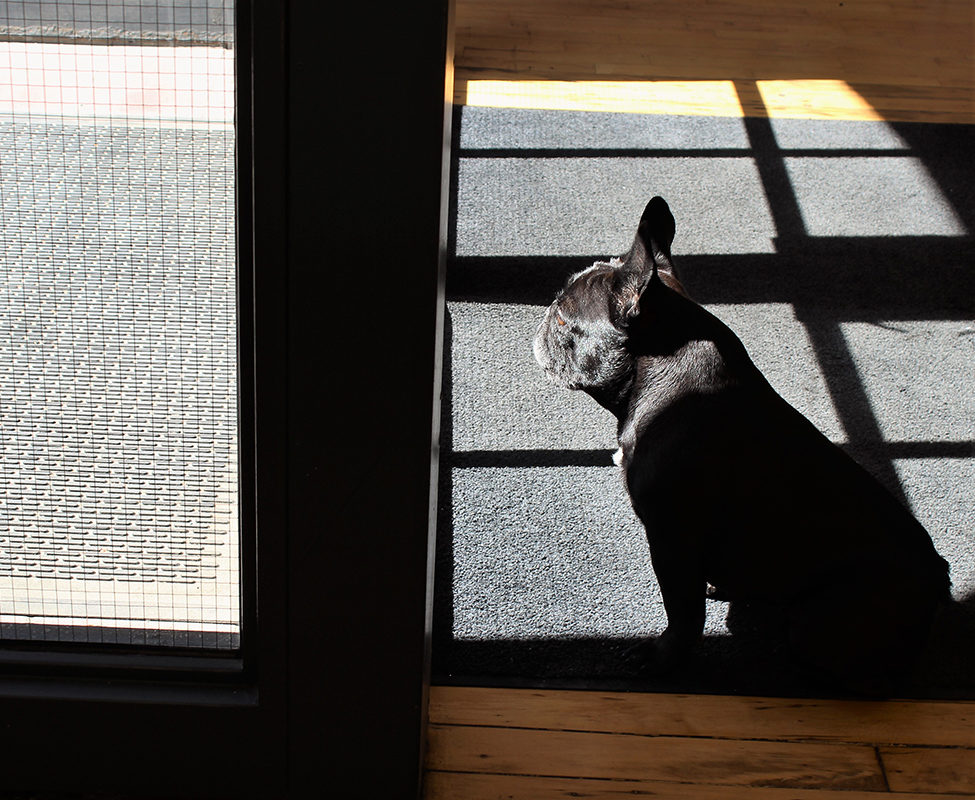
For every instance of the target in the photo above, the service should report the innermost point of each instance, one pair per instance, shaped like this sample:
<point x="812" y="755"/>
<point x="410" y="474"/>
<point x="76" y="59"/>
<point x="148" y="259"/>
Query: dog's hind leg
<point x="865" y="633"/>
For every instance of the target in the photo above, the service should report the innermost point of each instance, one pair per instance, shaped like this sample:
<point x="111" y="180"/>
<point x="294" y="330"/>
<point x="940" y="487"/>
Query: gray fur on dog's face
<point x="578" y="344"/>
<point x="582" y="342"/>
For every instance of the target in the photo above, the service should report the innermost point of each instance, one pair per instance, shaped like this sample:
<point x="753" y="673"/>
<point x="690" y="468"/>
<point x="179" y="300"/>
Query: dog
<point x="741" y="497"/>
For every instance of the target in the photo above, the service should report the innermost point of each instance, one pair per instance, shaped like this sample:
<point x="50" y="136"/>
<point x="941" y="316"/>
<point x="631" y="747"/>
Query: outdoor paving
<point x="183" y="21"/>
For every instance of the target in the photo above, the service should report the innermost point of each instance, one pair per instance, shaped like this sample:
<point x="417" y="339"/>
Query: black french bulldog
<point x="736" y="489"/>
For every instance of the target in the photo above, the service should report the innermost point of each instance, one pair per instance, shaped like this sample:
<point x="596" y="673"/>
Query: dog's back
<point x="732" y="448"/>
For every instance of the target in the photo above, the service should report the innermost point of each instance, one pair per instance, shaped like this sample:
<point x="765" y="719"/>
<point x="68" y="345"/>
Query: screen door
<point x="118" y="324"/>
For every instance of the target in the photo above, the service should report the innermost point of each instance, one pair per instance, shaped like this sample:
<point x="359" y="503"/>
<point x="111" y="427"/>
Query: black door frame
<point x="342" y="244"/>
<point x="366" y="300"/>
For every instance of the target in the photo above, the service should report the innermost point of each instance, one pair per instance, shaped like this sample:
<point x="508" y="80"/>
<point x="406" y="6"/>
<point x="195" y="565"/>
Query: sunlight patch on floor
<point x="785" y="99"/>
<point x="710" y="98"/>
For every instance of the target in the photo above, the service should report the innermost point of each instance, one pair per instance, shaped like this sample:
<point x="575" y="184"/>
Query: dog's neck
<point x="661" y="380"/>
<point x="614" y="397"/>
<point x="676" y="350"/>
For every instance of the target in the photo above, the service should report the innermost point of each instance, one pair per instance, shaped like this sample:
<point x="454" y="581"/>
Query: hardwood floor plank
<point x="515" y="751"/>
<point x="888" y="722"/>
<point x="911" y="769"/>
<point x="471" y="786"/>
<point x="895" y="44"/>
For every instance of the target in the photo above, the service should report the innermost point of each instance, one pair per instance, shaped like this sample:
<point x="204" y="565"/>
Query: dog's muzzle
<point x="540" y="348"/>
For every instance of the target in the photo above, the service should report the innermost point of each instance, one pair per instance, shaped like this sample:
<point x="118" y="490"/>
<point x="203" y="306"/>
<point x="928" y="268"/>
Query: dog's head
<point x="583" y="340"/>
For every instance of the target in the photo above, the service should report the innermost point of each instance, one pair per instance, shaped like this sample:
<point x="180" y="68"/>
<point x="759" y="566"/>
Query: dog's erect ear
<point x="639" y="273"/>
<point x="630" y="287"/>
<point x="655" y="234"/>
<point x="657" y="224"/>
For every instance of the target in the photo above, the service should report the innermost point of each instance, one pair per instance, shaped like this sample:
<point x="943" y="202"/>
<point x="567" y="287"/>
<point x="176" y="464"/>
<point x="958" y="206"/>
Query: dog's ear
<point x="657" y="224"/>
<point x="630" y="289"/>
<point x="654" y="235"/>
<point x="649" y="254"/>
<point x="656" y="231"/>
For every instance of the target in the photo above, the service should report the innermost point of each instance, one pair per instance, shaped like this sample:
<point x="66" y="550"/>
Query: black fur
<point x="735" y="487"/>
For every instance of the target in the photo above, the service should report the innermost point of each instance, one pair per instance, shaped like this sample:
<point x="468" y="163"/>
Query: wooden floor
<point x="898" y="60"/>
<point x="536" y="745"/>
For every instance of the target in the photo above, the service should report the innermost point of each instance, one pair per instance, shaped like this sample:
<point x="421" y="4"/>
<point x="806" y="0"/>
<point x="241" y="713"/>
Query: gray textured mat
<point x="840" y="252"/>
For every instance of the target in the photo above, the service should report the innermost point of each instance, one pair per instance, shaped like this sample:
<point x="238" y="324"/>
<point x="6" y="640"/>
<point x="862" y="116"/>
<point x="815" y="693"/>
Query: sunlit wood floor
<point x="536" y="745"/>
<point x="900" y="60"/>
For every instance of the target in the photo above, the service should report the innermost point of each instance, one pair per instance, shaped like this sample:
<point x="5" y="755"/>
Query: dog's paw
<point x="639" y="653"/>
<point x="659" y="657"/>
<point x="673" y="649"/>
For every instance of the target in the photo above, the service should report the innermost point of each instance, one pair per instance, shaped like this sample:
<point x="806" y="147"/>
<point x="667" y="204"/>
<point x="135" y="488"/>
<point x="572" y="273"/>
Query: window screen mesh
<point x="118" y="362"/>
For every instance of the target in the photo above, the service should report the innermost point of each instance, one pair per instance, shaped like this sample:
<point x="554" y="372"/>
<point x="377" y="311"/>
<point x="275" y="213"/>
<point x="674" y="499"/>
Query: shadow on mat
<point x="753" y="660"/>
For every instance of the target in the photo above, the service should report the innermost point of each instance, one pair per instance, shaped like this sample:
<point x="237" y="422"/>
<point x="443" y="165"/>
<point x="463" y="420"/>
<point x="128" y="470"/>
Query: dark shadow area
<point x="754" y="660"/>
<point x="443" y="648"/>
<point x="860" y="278"/>
<point x="942" y="149"/>
<point x="829" y="281"/>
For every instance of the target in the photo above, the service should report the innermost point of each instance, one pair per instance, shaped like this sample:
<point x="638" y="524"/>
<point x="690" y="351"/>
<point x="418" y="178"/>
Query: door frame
<point x="343" y="131"/>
